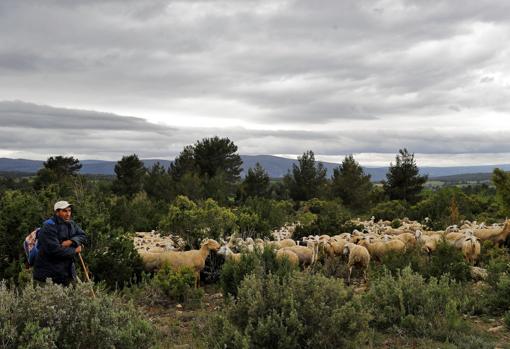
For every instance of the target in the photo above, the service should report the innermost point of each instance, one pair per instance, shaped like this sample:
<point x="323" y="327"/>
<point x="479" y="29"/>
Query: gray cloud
<point x="362" y="76"/>
<point x="17" y="114"/>
<point x="37" y="131"/>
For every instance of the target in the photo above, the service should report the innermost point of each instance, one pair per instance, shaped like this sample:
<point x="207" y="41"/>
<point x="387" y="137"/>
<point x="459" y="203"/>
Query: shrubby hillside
<point x="258" y="289"/>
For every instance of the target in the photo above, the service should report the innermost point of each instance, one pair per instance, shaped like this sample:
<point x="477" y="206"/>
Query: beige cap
<point x="61" y="205"/>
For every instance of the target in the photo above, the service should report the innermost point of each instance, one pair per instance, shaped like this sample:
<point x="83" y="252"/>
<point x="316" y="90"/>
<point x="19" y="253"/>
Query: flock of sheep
<point x="376" y="240"/>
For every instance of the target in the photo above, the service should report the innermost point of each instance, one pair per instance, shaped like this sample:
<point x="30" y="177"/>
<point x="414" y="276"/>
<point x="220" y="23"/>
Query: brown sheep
<point x="408" y="238"/>
<point x="470" y="247"/>
<point x="194" y="259"/>
<point x="497" y="236"/>
<point x="358" y="255"/>
<point x="290" y="255"/>
<point x="305" y="254"/>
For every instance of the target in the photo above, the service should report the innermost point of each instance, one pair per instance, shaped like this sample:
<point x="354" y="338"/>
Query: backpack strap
<point x="49" y="221"/>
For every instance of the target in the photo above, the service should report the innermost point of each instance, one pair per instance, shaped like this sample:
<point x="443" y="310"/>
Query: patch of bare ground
<point x="181" y="326"/>
<point x="494" y="328"/>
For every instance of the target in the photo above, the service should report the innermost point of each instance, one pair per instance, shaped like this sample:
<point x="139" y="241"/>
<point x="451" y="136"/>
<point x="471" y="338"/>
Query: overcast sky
<point x="106" y="78"/>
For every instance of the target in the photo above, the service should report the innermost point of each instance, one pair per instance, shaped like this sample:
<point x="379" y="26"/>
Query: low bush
<point x="495" y="298"/>
<point x="448" y="260"/>
<point x="178" y="285"/>
<point x="319" y="217"/>
<point x="445" y="260"/>
<point x="507" y="319"/>
<point x="396" y="223"/>
<point x="408" y="302"/>
<point x="257" y="262"/>
<point x="389" y="210"/>
<point x="68" y="317"/>
<point x="333" y="267"/>
<point x="413" y="257"/>
<point x="114" y="260"/>
<point x="305" y="311"/>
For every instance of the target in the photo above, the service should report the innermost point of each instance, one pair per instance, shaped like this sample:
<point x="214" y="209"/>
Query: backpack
<point x="31" y="244"/>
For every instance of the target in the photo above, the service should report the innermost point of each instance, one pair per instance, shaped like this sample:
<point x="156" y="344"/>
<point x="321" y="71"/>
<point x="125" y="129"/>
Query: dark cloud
<point x="19" y="114"/>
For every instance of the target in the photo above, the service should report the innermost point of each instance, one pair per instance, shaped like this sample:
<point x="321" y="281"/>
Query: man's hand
<point x="78" y="249"/>
<point x="66" y="243"/>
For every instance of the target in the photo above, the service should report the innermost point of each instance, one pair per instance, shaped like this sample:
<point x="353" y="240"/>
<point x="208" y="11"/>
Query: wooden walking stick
<point x="86" y="273"/>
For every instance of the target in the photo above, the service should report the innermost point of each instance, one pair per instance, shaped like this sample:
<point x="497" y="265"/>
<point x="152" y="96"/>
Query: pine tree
<point x="130" y="173"/>
<point x="214" y="162"/>
<point x="351" y="184"/>
<point x="256" y="183"/>
<point x="158" y="183"/>
<point x="308" y="178"/>
<point x="213" y="155"/>
<point x="59" y="171"/>
<point x="403" y="181"/>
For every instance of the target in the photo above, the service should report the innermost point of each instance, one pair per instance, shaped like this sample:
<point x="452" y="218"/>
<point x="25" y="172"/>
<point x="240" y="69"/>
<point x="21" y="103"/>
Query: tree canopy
<point x="403" y="180"/>
<point x="308" y="178"/>
<point x="351" y="184"/>
<point x="130" y="173"/>
<point x="256" y="183"/>
<point x="214" y="163"/>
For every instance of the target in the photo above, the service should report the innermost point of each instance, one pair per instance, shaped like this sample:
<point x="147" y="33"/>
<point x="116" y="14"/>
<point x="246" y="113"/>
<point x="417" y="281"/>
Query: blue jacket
<point x="54" y="261"/>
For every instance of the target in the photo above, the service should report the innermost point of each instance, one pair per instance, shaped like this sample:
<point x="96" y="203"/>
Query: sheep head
<point x="211" y="244"/>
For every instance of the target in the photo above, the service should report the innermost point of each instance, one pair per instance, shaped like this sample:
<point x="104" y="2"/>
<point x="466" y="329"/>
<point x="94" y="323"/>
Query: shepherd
<point x="60" y="240"/>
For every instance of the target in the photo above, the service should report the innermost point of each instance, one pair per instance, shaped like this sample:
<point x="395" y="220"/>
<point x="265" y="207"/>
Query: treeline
<point x="202" y="195"/>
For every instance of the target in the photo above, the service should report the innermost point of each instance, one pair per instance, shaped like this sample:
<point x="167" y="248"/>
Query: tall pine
<point x="130" y="173"/>
<point x="351" y="184"/>
<point x="403" y="180"/>
<point x="307" y="179"/>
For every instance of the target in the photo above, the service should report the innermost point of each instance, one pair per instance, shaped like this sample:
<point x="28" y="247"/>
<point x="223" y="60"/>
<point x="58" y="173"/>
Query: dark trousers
<point x="64" y="283"/>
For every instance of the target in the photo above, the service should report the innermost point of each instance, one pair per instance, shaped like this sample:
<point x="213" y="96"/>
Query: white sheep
<point x="228" y="254"/>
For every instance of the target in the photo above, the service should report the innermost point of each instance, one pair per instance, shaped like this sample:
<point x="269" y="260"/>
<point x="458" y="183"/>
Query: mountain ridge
<point x="276" y="167"/>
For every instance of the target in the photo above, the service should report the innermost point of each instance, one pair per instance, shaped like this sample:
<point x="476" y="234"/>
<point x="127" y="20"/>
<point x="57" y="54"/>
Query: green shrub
<point x="322" y="217"/>
<point x="495" y="298"/>
<point x="507" y="319"/>
<point x="389" y="210"/>
<point x="20" y="214"/>
<point x="305" y="311"/>
<point x="67" y="317"/>
<point x="257" y="262"/>
<point x="413" y="257"/>
<point x="396" y="223"/>
<point x="178" y="285"/>
<point x="137" y="213"/>
<point x="407" y="302"/>
<point x="332" y="266"/>
<point x="194" y="221"/>
<point x="114" y="259"/>
<point x="494" y="258"/>
<point x="275" y="213"/>
<point x="445" y="260"/>
<point x="448" y="260"/>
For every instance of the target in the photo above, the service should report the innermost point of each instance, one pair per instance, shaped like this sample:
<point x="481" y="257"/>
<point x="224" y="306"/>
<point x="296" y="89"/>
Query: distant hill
<point x="276" y="167"/>
<point x="465" y="177"/>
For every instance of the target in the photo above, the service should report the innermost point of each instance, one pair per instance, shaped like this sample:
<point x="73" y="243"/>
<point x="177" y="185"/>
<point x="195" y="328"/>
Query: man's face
<point x="65" y="214"/>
